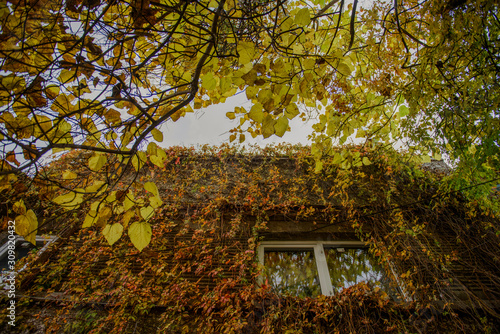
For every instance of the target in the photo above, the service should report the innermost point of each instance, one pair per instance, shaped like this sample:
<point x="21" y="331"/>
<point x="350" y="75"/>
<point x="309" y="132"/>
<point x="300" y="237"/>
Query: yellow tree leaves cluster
<point x="102" y="76"/>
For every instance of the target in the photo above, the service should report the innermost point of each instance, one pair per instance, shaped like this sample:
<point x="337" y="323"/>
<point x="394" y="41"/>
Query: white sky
<point x="211" y="126"/>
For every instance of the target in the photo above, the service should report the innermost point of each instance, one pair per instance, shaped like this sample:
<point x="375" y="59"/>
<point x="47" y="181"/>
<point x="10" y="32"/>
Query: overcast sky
<point x="211" y="126"/>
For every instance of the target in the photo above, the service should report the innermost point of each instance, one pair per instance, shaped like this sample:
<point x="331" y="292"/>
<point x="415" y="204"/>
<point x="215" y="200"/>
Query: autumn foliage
<point x="85" y="86"/>
<point x="103" y="76"/>
<point x="199" y="269"/>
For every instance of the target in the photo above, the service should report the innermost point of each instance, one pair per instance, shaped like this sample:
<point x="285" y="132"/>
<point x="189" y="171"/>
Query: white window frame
<point x="47" y="239"/>
<point x="319" y="256"/>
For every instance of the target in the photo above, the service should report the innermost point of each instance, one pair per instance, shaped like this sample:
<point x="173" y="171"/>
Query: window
<point x="22" y="249"/>
<point x="310" y="268"/>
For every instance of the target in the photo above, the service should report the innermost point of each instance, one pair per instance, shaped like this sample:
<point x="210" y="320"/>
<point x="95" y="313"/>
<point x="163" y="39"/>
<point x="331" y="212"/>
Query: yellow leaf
<point x="97" y="162"/>
<point x="19" y="207"/>
<point x="69" y="175"/>
<point x="97" y="186"/>
<point x="366" y="161"/>
<point x="140" y="234"/>
<point x="138" y="160"/>
<point x="42" y="125"/>
<point x="256" y="113"/>
<point x="117" y="209"/>
<point x="281" y="126"/>
<point x="197" y="104"/>
<point x="156" y="160"/>
<point x="152" y="149"/>
<point x="62" y="104"/>
<point x="319" y="166"/>
<point x="302" y="18"/>
<point x="155" y="202"/>
<point x="52" y="91"/>
<point x="360" y="133"/>
<point x="157" y="135"/>
<point x="70" y="200"/>
<point x="246" y="51"/>
<point x="112" y="233"/>
<point x="27" y="225"/>
<point x="128" y="202"/>
<point x="147" y="212"/>
<point x="337" y="159"/>
<point x="268" y="126"/>
<point x="105" y="212"/>
<point x="291" y="111"/>
<point x="67" y="76"/>
<point x="151" y="187"/>
<point x="90" y="219"/>
<point x="208" y="81"/>
<point x="230" y="115"/>
<point x="127" y="216"/>
<point x="344" y="69"/>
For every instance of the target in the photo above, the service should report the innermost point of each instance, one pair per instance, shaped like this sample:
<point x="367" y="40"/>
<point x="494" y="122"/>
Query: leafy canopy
<point x="102" y="76"/>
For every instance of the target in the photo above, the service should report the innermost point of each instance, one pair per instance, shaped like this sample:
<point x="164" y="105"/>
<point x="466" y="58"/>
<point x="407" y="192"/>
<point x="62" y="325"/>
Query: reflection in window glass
<point x="292" y="272"/>
<point x="22" y="250"/>
<point x="350" y="266"/>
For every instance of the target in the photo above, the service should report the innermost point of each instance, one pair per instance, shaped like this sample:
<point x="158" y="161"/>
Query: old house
<point x="261" y="243"/>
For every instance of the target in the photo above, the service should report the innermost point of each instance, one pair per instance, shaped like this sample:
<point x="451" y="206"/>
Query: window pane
<point x="22" y="250"/>
<point x="350" y="266"/>
<point x="292" y="272"/>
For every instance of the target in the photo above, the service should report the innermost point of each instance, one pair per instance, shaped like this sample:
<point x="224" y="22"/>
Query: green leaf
<point x="27" y="225"/>
<point x="97" y="162"/>
<point x="112" y="233"/>
<point x="281" y="126"/>
<point x="303" y="17"/>
<point x="157" y="135"/>
<point x="140" y="234"/>
<point x="403" y="110"/>
<point x="366" y="161"/>
<point x="425" y="158"/>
